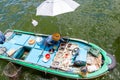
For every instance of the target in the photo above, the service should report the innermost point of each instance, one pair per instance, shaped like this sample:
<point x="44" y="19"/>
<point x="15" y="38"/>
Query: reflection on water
<point x="96" y="21"/>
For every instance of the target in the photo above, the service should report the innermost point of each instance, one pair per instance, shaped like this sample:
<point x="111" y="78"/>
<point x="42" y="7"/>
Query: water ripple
<point x="97" y="21"/>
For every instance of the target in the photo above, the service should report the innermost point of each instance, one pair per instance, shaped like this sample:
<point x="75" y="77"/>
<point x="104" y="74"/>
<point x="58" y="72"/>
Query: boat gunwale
<point x="59" y="72"/>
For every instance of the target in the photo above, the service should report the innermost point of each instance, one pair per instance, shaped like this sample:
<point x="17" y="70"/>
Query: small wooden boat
<point x="75" y="58"/>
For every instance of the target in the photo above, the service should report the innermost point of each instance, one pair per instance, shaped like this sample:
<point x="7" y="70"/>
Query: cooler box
<point x="81" y="58"/>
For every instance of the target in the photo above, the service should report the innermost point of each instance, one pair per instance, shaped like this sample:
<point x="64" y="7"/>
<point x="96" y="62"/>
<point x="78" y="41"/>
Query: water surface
<point x="97" y="21"/>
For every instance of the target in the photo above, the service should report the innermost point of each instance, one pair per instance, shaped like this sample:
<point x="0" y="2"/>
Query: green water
<point x="97" y="21"/>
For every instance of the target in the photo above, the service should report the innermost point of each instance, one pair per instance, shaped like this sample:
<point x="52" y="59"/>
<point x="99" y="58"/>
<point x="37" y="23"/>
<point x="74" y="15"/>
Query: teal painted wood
<point x="36" y="54"/>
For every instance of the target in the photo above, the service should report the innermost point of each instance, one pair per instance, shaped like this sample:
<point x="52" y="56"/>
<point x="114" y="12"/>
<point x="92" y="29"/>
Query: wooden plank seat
<point x="13" y="50"/>
<point x="20" y="39"/>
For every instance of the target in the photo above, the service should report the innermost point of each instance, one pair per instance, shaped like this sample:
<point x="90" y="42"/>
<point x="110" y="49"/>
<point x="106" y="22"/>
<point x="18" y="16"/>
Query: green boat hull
<point x="103" y="70"/>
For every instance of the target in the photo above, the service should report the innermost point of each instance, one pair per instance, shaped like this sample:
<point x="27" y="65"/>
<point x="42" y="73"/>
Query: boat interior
<point x="67" y="56"/>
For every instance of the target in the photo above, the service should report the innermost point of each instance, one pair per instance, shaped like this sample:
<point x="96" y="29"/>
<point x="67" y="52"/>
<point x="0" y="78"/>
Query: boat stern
<point x="111" y="60"/>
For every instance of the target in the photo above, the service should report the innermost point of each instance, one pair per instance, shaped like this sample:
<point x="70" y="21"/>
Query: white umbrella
<point x="56" y="7"/>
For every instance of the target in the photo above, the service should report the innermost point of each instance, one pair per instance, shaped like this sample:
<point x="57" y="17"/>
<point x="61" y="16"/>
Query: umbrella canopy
<point x="56" y="7"/>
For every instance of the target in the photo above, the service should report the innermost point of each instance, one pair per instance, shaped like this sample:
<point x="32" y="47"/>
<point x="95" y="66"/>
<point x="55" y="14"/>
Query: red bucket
<point x="47" y="56"/>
